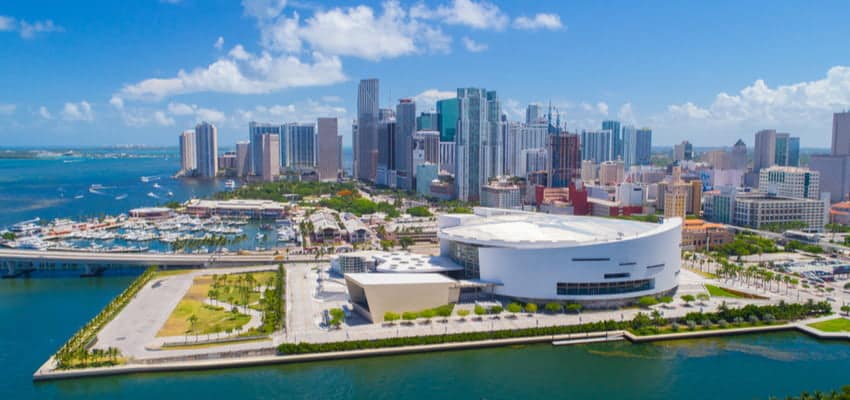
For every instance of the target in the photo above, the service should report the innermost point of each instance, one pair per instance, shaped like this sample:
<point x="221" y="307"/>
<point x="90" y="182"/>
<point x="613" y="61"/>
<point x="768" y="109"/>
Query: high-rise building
<point x="616" y="139"/>
<point x="206" y="149"/>
<point x="448" y="110"/>
<point x="188" y="160"/>
<point x="683" y="151"/>
<point x="533" y="161"/>
<point x="299" y="146"/>
<point x="243" y="158"/>
<point x="532" y="114"/>
<point x="596" y="145"/>
<point x="739" y="155"/>
<point x="478" y="141"/>
<point x="774" y="148"/>
<point x="629" y="146"/>
<point x="327" y="164"/>
<point x="643" y="148"/>
<point x="501" y="194"/>
<point x="271" y="157"/>
<point x="366" y="153"/>
<point x="841" y="134"/>
<point x="447" y="157"/>
<point x="519" y="137"/>
<point x="793" y="152"/>
<point x="790" y="182"/>
<point x="386" y="152"/>
<point x="564" y="159"/>
<point x="588" y="171"/>
<point x="428" y="121"/>
<point x="405" y="127"/>
<point x="256" y="130"/>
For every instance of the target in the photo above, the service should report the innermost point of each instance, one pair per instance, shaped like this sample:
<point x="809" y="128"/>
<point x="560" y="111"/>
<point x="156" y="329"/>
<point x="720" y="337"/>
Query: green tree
<point x="405" y="242"/>
<point x="479" y="310"/>
<point x="496" y="310"/>
<point x="574" y="308"/>
<point x="703" y="297"/>
<point x="462" y="313"/>
<point x="337" y="316"/>
<point x="552" y="308"/>
<point x="531" y="308"/>
<point x="409" y="315"/>
<point x="687" y="298"/>
<point x="514" y="308"/>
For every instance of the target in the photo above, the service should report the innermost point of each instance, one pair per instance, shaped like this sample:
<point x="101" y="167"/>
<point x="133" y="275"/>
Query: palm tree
<point x="193" y="319"/>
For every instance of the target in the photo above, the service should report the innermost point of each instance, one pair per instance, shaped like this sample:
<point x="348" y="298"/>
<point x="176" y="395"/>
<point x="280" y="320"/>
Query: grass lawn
<point x="832" y="325"/>
<point x="717" y="291"/>
<point x="170" y="272"/>
<point x="708" y="275"/>
<point x="229" y="291"/>
<point x="210" y="319"/>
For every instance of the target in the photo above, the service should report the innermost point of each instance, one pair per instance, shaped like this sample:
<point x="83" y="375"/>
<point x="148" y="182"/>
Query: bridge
<point x="16" y="262"/>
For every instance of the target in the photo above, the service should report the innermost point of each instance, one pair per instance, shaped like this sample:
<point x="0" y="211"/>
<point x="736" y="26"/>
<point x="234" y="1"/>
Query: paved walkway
<point x="134" y="329"/>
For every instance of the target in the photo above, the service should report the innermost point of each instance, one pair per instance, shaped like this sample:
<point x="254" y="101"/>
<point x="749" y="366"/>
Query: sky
<point x="139" y="72"/>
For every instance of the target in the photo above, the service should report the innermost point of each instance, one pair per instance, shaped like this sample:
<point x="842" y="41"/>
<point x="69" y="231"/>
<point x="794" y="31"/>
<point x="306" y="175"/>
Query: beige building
<point x="375" y="294"/>
<point x="611" y="172"/>
<point x="271" y="157"/>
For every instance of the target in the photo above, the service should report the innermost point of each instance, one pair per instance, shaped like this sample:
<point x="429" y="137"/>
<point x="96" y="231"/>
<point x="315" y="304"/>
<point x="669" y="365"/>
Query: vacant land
<point x="207" y="318"/>
<point x="833" y="325"/>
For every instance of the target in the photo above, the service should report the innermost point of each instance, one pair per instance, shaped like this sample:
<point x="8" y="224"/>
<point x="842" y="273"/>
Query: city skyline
<point x="205" y="61"/>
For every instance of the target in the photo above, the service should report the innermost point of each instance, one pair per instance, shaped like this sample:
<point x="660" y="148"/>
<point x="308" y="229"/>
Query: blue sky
<point x="109" y="72"/>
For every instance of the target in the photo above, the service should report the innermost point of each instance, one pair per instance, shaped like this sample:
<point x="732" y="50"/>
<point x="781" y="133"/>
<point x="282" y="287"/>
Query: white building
<point x="188" y="160"/>
<point x="545" y="257"/>
<point x="501" y="194"/>
<point x="790" y="182"/>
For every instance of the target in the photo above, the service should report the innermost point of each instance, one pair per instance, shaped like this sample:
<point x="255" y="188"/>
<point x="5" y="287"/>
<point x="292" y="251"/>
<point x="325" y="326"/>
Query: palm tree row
<point x="751" y="275"/>
<point x="75" y="352"/>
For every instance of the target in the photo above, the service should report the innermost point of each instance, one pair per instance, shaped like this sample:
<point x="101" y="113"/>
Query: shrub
<point x="691" y="324"/>
<point x="769" y="318"/>
<point x="428" y="314"/>
<point x="552" y="308"/>
<point x="722" y="323"/>
<point x="754" y="319"/>
<point x="479" y="310"/>
<point x="496" y="310"/>
<point x="706" y="323"/>
<point x="674" y="327"/>
<point x="574" y="307"/>
<point x="514" y="308"/>
<point x="531" y="307"/>
<point x="647" y="301"/>
<point x="409" y="315"/>
<point x="390" y="316"/>
<point x="462" y="313"/>
<point x="666" y="299"/>
<point x="687" y="298"/>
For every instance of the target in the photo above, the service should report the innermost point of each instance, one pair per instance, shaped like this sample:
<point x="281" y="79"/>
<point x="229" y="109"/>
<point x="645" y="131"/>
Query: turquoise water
<point x="38" y="314"/>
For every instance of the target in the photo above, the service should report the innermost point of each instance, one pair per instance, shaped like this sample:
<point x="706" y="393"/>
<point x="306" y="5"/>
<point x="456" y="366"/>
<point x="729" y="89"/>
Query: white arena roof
<point x="402" y="262"/>
<point x="533" y="230"/>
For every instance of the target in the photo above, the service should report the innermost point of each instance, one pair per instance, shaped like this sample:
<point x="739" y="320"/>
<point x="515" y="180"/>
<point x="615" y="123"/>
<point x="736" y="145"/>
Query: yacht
<point x="230" y="184"/>
<point x="121" y="197"/>
<point x="152" y="195"/>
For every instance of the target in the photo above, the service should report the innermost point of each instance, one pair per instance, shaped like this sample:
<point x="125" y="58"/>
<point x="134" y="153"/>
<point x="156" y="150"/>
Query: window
<point x="628" y="263"/>
<point x="617" y="275"/>
<point x="655" y="266"/>
<point x="591" y="259"/>
<point x="603" y="288"/>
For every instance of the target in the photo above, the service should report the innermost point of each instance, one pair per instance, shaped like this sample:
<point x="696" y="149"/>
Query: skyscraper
<point x="271" y="157"/>
<point x="243" y="158"/>
<point x="366" y="153"/>
<point x="629" y="146"/>
<point x="616" y="138"/>
<point x="841" y="134"/>
<point x="256" y="130"/>
<point x="764" y="154"/>
<point x="328" y="149"/>
<point x="299" y="146"/>
<point x="596" y="145"/>
<point x="188" y="160"/>
<point x="428" y="121"/>
<point x="739" y="155"/>
<point x="493" y="151"/>
<point x="683" y="151"/>
<point x="643" y="148"/>
<point x="532" y="114"/>
<point x="206" y="149"/>
<point x="386" y="152"/>
<point x="405" y="127"/>
<point x="473" y="129"/>
<point x="447" y="110"/>
<point x="564" y="159"/>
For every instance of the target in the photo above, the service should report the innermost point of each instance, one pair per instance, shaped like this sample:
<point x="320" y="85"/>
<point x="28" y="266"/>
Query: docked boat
<point x="230" y="184"/>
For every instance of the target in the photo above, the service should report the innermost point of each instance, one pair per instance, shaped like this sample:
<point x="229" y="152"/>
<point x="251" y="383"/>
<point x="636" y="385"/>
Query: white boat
<point x="170" y="194"/>
<point x="79" y="196"/>
<point x="230" y="184"/>
<point x="147" y="179"/>
<point x="157" y="186"/>
<point x="152" y="195"/>
<point x="121" y="197"/>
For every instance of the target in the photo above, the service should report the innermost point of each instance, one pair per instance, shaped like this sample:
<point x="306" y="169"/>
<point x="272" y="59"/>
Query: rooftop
<point x="525" y="229"/>
<point x="404" y="262"/>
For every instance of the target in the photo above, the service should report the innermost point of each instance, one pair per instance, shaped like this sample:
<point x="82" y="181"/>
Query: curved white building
<point x="545" y="257"/>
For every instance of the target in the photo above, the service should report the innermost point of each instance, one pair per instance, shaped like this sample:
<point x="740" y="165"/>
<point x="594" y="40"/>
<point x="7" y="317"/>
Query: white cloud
<point x="44" y="113"/>
<point x="7" y="109"/>
<point x="7" y="23"/>
<point x="473" y="46"/>
<point x="81" y="111"/>
<point x="306" y="111"/>
<point x="116" y="102"/>
<point x="181" y="109"/>
<point x="219" y="43"/>
<point x="356" y="31"/>
<point x="263" y="9"/>
<point x="247" y="74"/>
<point x="28" y="30"/>
<point x="539" y="21"/>
<point x="427" y="100"/>
<point x="163" y="119"/>
<point x="478" y="15"/>
<point x="803" y="108"/>
<point x="602" y="108"/>
<point x="626" y="115"/>
<point x="200" y="113"/>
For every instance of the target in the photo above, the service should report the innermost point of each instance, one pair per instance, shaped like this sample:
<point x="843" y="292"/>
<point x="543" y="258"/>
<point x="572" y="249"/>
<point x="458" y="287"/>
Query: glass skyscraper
<point x="447" y="120"/>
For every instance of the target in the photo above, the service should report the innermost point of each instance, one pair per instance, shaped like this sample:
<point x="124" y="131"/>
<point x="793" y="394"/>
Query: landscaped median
<point x="642" y="324"/>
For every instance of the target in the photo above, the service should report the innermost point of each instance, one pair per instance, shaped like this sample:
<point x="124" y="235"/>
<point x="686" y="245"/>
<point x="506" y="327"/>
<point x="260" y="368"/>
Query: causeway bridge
<point x="15" y="262"/>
